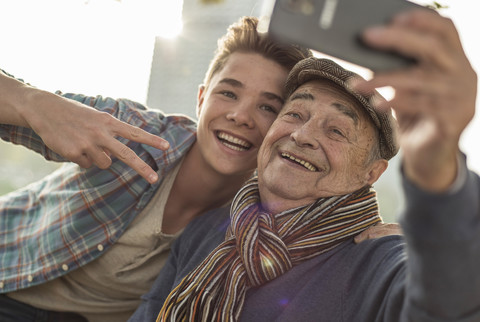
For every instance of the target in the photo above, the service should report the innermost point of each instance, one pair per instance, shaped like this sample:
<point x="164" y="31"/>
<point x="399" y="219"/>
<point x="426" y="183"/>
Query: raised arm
<point x="79" y="133"/>
<point x="434" y="101"/>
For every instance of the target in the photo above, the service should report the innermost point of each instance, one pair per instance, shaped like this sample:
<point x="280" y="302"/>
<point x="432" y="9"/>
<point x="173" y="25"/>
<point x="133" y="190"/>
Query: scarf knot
<point x="261" y="249"/>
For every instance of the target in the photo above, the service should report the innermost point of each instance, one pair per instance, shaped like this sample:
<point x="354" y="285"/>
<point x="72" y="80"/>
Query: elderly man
<point x="285" y="251"/>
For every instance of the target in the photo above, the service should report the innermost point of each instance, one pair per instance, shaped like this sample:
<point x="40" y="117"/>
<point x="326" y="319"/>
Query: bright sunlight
<point x="86" y="46"/>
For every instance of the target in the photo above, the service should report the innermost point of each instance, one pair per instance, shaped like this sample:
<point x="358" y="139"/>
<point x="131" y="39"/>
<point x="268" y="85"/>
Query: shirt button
<point x="30" y="278"/>
<point x="100" y="247"/>
<point x="65" y="267"/>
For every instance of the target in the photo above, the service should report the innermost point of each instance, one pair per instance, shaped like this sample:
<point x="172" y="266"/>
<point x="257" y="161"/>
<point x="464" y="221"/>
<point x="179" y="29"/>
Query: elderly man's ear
<point x="376" y="170"/>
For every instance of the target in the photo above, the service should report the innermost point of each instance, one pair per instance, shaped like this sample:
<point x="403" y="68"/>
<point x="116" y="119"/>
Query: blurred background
<point x="155" y="52"/>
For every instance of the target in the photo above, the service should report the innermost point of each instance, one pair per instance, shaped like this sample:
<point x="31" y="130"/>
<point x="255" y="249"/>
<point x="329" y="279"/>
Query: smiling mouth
<point x="307" y="165"/>
<point x="233" y="143"/>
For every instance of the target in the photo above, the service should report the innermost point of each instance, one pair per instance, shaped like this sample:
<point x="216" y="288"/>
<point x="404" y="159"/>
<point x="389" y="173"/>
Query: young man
<point x="285" y="251"/>
<point x="91" y="241"/>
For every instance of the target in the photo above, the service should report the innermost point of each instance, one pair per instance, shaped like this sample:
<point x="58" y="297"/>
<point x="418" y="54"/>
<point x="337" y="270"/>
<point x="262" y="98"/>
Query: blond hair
<point x="243" y="36"/>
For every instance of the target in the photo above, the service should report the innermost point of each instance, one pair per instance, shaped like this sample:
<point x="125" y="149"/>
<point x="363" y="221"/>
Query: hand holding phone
<point x="333" y="27"/>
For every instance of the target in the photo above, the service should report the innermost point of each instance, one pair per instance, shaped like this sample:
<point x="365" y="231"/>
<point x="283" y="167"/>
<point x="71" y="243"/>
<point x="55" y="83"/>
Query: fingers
<point x="136" y="134"/>
<point x="428" y="21"/>
<point x="422" y="35"/>
<point x="125" y="154"/>
<point x="133" y="133"/>
<point x="111" y="146"/>
<point x="442" y="75"/>
<point x="97" y="144"/>
<point x="87" y="156"/>
<point x="82" y="160"/>
<point x="88" y="135"/>
<point x="101" y="159"/>
<point x="97" y="156"/>
<point x="415" y="92"/>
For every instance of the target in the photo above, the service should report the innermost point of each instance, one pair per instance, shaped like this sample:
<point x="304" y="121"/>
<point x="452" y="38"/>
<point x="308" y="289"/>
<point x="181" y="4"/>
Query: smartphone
<point x="333" y="27"/>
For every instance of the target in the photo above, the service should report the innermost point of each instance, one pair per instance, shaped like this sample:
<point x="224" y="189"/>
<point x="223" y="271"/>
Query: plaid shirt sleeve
<point x="27" y="137"/>
<point x="72" y="216"/>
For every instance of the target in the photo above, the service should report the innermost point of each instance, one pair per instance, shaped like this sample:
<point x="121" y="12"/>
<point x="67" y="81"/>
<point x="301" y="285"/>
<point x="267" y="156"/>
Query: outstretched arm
<point x="79" y="133"/>
<point x="434" y="101"/>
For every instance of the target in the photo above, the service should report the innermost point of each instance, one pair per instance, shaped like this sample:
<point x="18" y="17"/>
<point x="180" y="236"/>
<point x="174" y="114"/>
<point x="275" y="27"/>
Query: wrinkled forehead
<point x="312" y="88"/>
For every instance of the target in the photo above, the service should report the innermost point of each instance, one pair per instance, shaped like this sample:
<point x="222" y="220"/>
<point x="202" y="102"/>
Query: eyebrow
<point x="342" y="108"/>
<point x="302" y="96"/>
<point x="231" y="82"/>
<point x="347" y="111"/>
<point x="235" y="83"/>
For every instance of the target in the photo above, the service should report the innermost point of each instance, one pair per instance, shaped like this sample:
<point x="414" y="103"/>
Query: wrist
<point x="436" y="175"/>
<point x="29" y="105"/>
<point x="11" y="96"/>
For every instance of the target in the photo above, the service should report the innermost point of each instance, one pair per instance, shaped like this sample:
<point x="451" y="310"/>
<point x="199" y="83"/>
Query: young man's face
<point x="319" y="146"/>
<point x="236" y="110"/>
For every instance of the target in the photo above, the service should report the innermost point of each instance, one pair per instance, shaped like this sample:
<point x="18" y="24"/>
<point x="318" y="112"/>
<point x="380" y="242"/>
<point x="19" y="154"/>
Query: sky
<point x="106" y="46"/>
<point x="85" y="46"/>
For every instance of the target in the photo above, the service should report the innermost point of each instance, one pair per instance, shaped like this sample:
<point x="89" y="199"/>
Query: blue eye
<point x="229" y="94"/>
<point x="294" y="115"/>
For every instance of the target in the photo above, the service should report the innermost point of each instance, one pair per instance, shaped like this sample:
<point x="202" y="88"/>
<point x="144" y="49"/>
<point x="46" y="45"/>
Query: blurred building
<point x="179" y="64"/>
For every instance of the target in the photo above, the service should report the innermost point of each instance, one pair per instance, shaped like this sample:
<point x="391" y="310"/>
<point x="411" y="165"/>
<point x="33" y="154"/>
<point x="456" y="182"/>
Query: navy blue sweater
<point x="430" y="274"/>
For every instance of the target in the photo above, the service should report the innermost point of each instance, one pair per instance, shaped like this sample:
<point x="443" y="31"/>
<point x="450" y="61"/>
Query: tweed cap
<point x="313" y="68"/>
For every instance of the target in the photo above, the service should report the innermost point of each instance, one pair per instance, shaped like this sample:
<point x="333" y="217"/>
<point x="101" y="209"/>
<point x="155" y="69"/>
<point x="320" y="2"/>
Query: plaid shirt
<point x="72" y="216"/>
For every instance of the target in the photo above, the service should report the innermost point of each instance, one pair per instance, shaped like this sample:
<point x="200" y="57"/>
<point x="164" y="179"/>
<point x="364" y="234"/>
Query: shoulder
<point x="350" y="280"/>
<point x="210" y="226"/>
<point x="360" y="270"/>
<point x="218" y="218"/>
<point x="200" y="237"/>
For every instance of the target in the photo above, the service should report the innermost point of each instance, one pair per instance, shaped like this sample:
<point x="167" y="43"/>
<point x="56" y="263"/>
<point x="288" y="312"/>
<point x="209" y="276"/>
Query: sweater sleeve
<point x="443" y="248"/>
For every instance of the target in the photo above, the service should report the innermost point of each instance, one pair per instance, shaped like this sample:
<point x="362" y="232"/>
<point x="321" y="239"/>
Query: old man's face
<point x="320" y="145"/>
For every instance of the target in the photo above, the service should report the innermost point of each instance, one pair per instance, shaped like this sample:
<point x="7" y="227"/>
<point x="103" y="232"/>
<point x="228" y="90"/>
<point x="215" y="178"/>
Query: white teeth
<point x="306" y="164"/>
<point x="233" y="142"/>
<point x="234" y="147"/>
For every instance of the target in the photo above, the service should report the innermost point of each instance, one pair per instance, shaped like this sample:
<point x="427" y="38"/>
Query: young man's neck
<point x="196" y="190"/>
<point x="205" y="186"/>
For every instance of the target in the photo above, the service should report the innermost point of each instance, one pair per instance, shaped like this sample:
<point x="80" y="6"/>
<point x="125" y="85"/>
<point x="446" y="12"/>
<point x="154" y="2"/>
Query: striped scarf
<point x="260" y="246"/>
